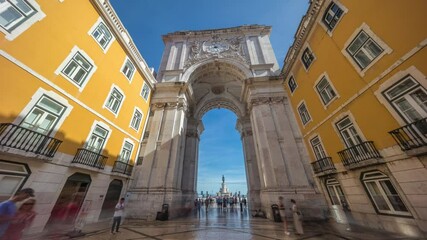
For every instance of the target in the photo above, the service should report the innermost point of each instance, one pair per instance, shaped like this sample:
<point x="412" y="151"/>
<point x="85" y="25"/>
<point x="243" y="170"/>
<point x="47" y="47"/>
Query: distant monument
<point x="223" y="191"/>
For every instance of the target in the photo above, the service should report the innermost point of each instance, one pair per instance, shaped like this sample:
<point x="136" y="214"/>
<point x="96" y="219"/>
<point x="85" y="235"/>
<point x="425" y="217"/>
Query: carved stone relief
<point x="217" y="47"/>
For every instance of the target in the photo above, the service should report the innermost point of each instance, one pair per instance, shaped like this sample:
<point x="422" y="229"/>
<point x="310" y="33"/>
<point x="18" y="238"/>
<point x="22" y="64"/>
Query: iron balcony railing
<point x="413" y="135"/>
<point x="359" y="153"/>
<point x="322" y="165"/>
<point x="89" y="158"/>
<point x="21" y="138"/>
<point x="122" y="167"/>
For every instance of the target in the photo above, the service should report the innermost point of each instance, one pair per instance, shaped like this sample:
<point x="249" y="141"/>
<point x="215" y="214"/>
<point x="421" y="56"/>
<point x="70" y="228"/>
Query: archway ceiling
<point x="217" y="80"/>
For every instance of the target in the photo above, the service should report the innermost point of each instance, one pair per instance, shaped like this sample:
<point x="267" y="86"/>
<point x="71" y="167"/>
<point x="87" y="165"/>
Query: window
<point x="145" y="91"/>
<point x="12" y="178"/>
<point x="114" y="101"/>
<point x="292" y="84"/>
<point x="126" y="152"/>
<point x="97" y="139"/>
<point x="335" y="192"/>
<point x="317" y="148"/>
<point x="136" y="119"/>
<point x="128" y="69"/>
<point x="78" y="68"/>
<point x="348" y="132"/>
<point x="43" y="117"/>
<point x="383" y="194"/>
<point x="363" y="49"/>
<point x="14" y="12"/>
<point x="303" y="113"/>
<point x="409" y="98"/>
<point x="102" y="35"/>
<point x="325" y="91"/>
<point x="332" y="15"/>
<point x="307" y="58"/>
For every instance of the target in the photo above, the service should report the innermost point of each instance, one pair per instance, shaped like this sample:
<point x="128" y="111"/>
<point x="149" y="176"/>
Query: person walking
<point x="118" y="214"/>
<point x="283" y="215"/>
<point x="297" y="216"/>
<point x="8" y="208"/>
<point x="23" y="218"/>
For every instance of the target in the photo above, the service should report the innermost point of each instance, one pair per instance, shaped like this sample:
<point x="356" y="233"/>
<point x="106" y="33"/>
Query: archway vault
<point x="234" y="69"/>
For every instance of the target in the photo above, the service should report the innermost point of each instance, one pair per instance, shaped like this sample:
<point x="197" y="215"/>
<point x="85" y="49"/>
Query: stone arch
<point x="242" y="67"/>
<point x="228" y="68"/>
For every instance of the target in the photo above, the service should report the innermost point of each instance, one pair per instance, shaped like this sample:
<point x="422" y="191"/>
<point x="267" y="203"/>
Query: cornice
<point x="241" y="30"/>
<point x="304" y="29"/>
<point x="109" y="15"/>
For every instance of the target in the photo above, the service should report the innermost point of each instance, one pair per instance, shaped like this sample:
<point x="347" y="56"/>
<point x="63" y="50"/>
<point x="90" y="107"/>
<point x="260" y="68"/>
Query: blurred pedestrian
<point x="8" y="208"/>
<point x="23" y="219"/>
<point x="118" y="214"/>
<point x="283" y="215"/>
<point x="297" y="215"/>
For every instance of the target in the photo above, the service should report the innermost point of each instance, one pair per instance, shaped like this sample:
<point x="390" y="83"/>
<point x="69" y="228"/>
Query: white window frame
<point x="316" y="83"/>
<point x="392" y="81"/>
<point x="326" y="10"/>
<point x="304" y="116"/>
<point x="92" y="129"/>
<point x="114" y="87"/>
<point x="127" y="60"/>
<point x="25" y="23"/>
<point x="406" y="94"/>
<point x="120" y="158"/>
<point x="36" y="97"/>
<point x="354" y="133"/>
<point x="144" y="87"/>
<point x="19" y="171"/>
<point x="332" y="184"/>
<point x="289" y="84"/>
<point x="133" y="117"/>
<point x="318" y="149"/>
<point x="95" y="27"/>
<point x="68" y="59"/>
<point x="311" y="54"/>
<point x="365" y="28"/>
<point x="376" y="177"/>
<point x="35" y="126"/>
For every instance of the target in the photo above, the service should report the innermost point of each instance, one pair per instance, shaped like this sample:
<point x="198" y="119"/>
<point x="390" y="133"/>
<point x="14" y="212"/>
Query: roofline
<point x="122" y="35"/>
<point x="303" y="30"/>
<point x="263" y="29"/>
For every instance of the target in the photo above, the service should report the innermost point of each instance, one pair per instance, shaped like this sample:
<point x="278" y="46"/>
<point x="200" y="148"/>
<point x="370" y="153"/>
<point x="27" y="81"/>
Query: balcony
<point x="14" y="136"/>
<point x="360" y="155"/>
<point x="412" y="138"/>
<point x="122" y="167"/>
<point x="323" y="166"/>
<point x="89" y="158"/>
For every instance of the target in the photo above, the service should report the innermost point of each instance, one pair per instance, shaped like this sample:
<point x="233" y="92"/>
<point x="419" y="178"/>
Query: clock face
<point x="215" y="47"/>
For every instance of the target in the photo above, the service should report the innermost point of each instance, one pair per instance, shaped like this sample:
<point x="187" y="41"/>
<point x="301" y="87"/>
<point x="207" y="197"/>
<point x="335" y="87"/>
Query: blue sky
<point x="147" y="20"/>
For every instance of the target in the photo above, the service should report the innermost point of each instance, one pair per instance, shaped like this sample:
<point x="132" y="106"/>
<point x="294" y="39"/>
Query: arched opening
<point x="221" y="154"/>
<point x="111" y="199"/>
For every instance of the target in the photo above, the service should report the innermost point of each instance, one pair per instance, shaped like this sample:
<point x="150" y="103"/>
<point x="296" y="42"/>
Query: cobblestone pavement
<point x="220" y="224"/>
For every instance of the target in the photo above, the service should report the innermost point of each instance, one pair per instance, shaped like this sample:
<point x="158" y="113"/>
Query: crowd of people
<point x="220" y="202"/>
<point x="17" y="213"/>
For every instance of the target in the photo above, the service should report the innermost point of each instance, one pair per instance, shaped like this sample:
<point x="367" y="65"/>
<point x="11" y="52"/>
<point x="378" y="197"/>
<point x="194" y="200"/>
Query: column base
<point x="145" y="204"/>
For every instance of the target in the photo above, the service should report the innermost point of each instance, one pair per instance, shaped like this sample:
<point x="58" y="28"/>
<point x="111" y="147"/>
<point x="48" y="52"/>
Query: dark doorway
<point x="111" y="199"/>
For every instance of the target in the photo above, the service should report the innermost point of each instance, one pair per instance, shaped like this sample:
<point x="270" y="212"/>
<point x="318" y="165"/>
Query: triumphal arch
<point x="232" y="68"/>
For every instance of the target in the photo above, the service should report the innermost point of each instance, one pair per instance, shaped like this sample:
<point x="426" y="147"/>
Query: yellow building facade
<point x="356" y="78"/>
<point x="75" y="95"/>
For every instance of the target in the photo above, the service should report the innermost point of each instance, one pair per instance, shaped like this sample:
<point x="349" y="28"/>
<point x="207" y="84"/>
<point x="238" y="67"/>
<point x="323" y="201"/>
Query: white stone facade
<point x="236" y="69"/>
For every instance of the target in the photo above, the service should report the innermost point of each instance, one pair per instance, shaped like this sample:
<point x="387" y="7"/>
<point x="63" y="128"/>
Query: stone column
<point x="189" y="177"/>
<point x="281" y="159"/>
<point x="158" y="180"/>
<point x="251" y="164"/>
